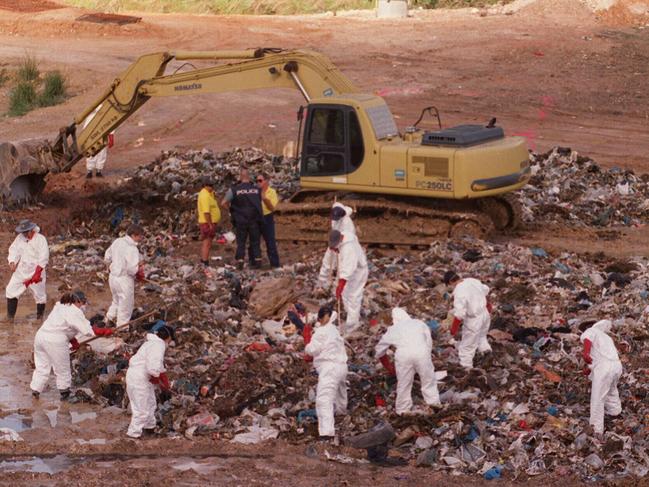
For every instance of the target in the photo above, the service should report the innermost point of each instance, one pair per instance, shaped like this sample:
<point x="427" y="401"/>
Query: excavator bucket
<point x="23" y="167"/>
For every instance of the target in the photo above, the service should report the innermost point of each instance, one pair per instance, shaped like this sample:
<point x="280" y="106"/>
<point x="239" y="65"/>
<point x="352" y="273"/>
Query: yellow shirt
<point x="207" y="204"/>
<point x="270" y="194"/>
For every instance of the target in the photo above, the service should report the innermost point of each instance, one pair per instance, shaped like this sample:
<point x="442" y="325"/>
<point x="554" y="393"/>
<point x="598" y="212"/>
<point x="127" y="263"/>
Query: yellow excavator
<point x="408" y="186"/>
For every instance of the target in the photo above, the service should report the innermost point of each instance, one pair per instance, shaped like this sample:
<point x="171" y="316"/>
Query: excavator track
<point x="394" y="221"/>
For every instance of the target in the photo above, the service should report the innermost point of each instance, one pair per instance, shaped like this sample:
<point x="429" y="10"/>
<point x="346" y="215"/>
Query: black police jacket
<point x="246" y="203"/>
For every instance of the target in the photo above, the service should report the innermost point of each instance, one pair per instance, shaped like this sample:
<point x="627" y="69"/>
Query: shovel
<point x="136" y="320"/>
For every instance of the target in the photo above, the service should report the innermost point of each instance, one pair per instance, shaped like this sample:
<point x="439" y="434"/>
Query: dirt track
<point x="554" y="73"/>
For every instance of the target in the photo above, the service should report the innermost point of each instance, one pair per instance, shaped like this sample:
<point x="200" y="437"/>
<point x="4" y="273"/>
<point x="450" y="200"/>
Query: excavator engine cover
<point x="462" y="136"/>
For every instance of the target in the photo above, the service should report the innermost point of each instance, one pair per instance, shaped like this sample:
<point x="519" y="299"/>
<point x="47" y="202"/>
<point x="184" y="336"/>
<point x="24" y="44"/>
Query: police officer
<point x="244" y="201"/>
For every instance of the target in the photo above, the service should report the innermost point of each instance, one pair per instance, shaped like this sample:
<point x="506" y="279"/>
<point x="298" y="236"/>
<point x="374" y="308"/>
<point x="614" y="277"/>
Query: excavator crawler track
<point x="398" y="221"/>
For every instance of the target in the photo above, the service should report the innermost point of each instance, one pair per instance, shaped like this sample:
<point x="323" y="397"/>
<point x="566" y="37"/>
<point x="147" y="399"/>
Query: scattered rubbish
<point x="7" y="434"/>
<point x="256" y="434"/>
<point x="77" y="417"/>
<point x="237" y="365"/>
<point x="94" y="441"/>
<point x="493" y="473"/>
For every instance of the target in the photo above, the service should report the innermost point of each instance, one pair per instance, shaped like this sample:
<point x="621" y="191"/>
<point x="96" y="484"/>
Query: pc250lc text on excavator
<point x="424" y="184"/>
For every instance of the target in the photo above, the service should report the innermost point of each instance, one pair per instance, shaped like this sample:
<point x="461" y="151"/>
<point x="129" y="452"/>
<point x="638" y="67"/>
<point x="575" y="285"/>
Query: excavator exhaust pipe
<point x="23" y="167"/>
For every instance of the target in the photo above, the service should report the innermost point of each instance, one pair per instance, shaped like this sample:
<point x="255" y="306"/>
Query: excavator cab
<point x="333" y="141"/>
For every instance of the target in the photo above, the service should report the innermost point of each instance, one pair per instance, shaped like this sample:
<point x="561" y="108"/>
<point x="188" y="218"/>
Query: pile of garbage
<point x="567" y="187"/>
<point x="238" y="370"/>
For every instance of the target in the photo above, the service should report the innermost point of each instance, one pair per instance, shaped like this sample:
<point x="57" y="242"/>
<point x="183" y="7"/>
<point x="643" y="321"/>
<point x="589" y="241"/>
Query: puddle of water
<point x="94" y="441"/>
<point x="78" y="417"/>
<point x="17" y="422"/>
<point x="52" y="417"/>
<point x="52" y="465"/>
<point x="200" y="467"/>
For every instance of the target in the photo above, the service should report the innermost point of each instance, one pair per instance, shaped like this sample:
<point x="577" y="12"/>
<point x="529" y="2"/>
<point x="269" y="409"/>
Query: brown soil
<point x="28" y="5"/>
<point x="554" y="72"/>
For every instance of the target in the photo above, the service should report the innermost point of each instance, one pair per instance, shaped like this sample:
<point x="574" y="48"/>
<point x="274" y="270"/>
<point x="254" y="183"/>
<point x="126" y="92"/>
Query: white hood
<point x="399" y="314"/>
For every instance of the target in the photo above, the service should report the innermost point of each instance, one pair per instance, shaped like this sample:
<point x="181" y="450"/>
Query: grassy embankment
<point x="257" y="7"/>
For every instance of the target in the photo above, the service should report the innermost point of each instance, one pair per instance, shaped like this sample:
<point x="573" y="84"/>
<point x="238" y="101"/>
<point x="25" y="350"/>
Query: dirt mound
<point x="625" y="12"/>
<point x="28" y="5"/>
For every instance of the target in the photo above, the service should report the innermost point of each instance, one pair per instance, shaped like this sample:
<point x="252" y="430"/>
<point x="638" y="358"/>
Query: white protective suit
<point x="606" y="370"/>
<point x="52" y="345"/>
<point x="345" y="224"/>
<point x="147" y="363"/>
<point x="98" y="160"/>
<point x="413" y="343"/>
<point x="28" y="254"/>
<point x="124" y="259"/>
<point x="470" y="306"/>
<point x="351" y="263"/>
<point x="330" y="360"/>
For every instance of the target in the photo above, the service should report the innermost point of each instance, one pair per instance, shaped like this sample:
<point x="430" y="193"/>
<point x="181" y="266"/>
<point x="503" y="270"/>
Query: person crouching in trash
<point x="605" y="369"/>
<point x="414" y="344"/>
<point x="55" y="337"/>
<point x="146" y="369"/>
<point x="327" y="348"/>
<point x="472" y="312"/>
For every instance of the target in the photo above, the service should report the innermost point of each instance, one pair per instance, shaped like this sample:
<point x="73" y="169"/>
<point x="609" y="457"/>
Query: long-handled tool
<point x="121" y="327"/>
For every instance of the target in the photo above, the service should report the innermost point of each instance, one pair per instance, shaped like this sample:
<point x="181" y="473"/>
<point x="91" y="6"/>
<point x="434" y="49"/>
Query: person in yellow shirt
<point x="209" y="215"/>
<point x="269" y="202"/>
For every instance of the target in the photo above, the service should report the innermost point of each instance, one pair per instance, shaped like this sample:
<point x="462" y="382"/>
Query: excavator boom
<point x="309" y="72"/>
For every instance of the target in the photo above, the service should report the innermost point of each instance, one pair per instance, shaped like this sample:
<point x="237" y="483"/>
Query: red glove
<point x="102" y="332"/>
<point x="111" y="140"/>
<point x="36" y="278"/>
<point x="307" y="333"/>
<point x="490" y="307"/>
<point x="586" y="352"/>
<point x="154" y="380"/>
<point x="165" y="385"/>
<point x="389" y="365"/>
<point x="586" y="370"/>
<point x="75" y="344"/>
<point x="341" y="286"/>
<point x="455" y="327"/>
<point x="140" y="274"/>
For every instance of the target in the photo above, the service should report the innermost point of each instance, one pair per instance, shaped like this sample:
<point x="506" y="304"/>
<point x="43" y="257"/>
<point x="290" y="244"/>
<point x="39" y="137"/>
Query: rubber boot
<point x="65" y="394"/>
<point x="12" y="306"/>
<point x="40" y="311"/>
<point x="99" y="174"/>
<point x="89" y="175"/>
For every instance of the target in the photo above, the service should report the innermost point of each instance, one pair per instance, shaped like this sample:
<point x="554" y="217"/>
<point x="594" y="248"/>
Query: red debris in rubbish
<point x="379" y="401"/>
<point x="258" y="347"/>
<point x="374" y="322"/>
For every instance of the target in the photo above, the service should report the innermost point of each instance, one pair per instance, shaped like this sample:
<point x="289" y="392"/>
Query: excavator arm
<point x="309" y="72"/>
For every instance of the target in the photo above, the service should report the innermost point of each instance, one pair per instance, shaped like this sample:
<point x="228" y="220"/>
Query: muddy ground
<point x="554" y="72"/>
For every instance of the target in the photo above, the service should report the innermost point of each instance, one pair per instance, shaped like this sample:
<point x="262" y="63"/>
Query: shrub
<point x="22" y="98"/>
<point x="53" y="89"/>
<point x="28" y="70"/>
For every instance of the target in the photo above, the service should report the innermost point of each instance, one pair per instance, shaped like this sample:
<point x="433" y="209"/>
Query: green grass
<point x="257" y="7"/>
<point x="28" y="69"/>
<point x="22" y="98"/>
<point x="53" y="89"/>
<point x="456" y="3"/>
<point x="31" y="91"/>
<point x="254" y="7"/>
